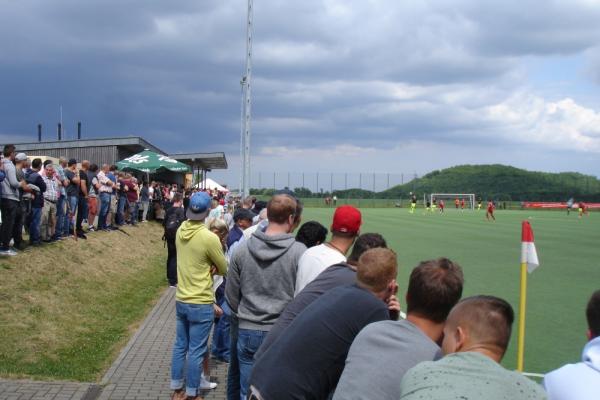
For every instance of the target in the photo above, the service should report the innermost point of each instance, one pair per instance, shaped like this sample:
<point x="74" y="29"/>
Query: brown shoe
<point x="179" y="394"/>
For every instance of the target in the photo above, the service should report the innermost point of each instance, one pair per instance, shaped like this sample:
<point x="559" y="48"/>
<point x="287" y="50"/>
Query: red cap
<point x="346" y="219"/>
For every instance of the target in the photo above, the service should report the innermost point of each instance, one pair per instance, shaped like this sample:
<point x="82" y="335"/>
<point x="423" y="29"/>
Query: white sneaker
<point x="205" y="384"/>
<point x="8" y="252"/>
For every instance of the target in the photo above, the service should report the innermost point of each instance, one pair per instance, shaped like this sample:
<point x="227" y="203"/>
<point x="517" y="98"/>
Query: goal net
<point x="453" y="201"/>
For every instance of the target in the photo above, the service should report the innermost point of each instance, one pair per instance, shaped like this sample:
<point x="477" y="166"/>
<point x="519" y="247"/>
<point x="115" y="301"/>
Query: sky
<point x="339" y="86"/>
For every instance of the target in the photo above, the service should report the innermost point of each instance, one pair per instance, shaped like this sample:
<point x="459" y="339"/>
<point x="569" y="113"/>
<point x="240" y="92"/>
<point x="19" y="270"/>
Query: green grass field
<point x="489" y="253"/>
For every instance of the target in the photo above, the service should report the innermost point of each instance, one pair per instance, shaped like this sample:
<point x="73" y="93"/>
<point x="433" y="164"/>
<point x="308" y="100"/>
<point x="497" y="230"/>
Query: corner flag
<point x="528" y="252"/>
<point x="529" y="262"/>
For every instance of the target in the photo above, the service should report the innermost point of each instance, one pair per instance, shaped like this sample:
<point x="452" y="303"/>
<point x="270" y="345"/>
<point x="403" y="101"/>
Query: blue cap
<point x="199" y="206"/>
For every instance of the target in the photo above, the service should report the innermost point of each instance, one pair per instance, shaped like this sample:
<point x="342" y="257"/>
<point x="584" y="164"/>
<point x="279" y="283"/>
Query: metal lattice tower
<point x="246" y="83"/>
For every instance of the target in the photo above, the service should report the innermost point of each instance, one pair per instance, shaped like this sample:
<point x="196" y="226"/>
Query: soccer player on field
<point x="582" y="209"/>
<point x="569" y="205"/>
<point x="428" y="204"/>
<point x="442" y="205"/>
<point x="462" y="204"/>
<point x="434" y="205"/>
<point x="490" y="210"/>
<point x="456" y="203"/>
<point x="413" y="204"/>
<point x="479" y="203"/>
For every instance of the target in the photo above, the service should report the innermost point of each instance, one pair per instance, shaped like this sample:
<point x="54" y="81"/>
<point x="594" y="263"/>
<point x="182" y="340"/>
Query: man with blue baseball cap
<point x="198" y="250"/>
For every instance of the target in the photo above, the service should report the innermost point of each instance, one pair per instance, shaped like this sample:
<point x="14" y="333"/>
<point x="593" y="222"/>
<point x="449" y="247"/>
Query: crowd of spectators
<point x="298" y="319"/>
<point x="71" y="198"/>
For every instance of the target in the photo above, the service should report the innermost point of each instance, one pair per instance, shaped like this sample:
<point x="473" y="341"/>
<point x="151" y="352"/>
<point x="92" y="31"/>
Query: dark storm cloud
<point x="361" y="73"/>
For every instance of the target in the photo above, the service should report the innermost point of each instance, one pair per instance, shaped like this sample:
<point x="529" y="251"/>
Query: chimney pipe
<point x="79" y="130"/>
<point x="39" y="132"/>
<point x="59" y="131"/>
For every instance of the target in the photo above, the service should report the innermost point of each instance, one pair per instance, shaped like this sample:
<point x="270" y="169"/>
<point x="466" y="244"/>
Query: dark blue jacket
<point x="36" y="179"/>
<point x="234" y="235"/>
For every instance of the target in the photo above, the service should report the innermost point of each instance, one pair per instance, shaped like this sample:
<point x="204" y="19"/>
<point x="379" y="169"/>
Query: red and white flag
<point x="528" y="252"/>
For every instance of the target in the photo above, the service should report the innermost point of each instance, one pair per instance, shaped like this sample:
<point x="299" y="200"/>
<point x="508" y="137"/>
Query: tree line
<point x="498" y="182"/>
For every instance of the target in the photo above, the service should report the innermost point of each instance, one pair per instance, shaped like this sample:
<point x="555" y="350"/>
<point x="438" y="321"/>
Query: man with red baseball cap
<point x="344" y="230"/>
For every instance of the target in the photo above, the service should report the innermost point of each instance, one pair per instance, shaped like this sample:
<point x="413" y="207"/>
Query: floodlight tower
<point x="246" y="83"/>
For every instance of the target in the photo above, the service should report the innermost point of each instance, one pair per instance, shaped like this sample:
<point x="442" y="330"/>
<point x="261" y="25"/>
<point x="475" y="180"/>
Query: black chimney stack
<point x="78" y="130"/>
<point x="59" y="131"/>
<point x="39" y="132"/>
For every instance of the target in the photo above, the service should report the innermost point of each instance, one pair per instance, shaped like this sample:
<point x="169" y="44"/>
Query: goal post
<point x="450" y="198"/>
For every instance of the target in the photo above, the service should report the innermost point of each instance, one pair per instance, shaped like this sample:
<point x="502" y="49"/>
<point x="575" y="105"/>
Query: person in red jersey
<point x="456" y="203"/>
<point x="490" y="210"/>
<point x="582" y="209"/>
<point x="462" y="204"/>
<point x="442" y="205"/>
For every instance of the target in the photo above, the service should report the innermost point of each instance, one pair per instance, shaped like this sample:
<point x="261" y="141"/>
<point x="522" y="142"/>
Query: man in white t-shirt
<point x="344" y="230"/>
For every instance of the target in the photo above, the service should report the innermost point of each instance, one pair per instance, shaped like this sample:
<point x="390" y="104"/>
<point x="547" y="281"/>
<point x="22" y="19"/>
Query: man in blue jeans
<point x="73" y="189"/>
<point x="198" y="250"/>
<point x="37" y="203"/>
<point x="121" y="199"/>
<point x="269" y="260"/>
<point x="61" y="203"/>
<point x="104" y="194"/>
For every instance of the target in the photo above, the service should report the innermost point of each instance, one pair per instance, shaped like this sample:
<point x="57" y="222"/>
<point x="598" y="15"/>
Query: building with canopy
<point x="112" y="150"/>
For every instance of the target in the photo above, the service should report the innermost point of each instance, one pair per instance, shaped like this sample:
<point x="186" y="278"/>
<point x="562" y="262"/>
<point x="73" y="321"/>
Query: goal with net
<point x="450" y="198"/>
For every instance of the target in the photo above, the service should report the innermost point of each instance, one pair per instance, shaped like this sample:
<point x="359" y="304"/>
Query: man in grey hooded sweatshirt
<point x="261" y="279"/>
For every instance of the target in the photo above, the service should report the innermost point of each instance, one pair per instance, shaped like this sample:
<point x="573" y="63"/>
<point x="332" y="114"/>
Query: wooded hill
<point x="499" y="182"/>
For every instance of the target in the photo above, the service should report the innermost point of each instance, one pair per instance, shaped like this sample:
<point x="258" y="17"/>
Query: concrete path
<point x="37" y="390"/>
<point x="141" y="371"/>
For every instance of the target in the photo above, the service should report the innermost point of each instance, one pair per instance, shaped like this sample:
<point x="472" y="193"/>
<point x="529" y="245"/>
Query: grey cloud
<point x="170" y="71"/>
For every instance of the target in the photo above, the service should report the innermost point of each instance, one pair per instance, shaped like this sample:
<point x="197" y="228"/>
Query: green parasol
<point x="150" y="162"/>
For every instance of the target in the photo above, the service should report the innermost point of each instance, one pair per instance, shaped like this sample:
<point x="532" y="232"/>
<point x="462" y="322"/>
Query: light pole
<point x="247" y="105"/>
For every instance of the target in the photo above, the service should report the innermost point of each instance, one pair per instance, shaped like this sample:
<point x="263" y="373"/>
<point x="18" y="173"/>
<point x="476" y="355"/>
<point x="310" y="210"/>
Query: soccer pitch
<point x="489" y="253"/>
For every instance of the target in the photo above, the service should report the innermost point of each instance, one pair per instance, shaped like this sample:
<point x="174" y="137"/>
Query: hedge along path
<point x="68" y="307"/>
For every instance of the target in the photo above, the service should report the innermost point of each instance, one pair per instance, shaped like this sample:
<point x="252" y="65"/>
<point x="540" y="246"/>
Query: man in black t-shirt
<point x="82" y="207"/>
<point x="174" y="216"/>
<point x="307" y="359"/>
<point x="73" y="189"/>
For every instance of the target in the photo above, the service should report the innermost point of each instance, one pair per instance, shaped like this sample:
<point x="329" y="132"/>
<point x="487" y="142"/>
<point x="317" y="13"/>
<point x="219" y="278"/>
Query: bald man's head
<point x="479" y="323"/>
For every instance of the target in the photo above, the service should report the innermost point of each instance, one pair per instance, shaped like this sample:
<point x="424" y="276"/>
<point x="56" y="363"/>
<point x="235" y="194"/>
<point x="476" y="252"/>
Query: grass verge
<point x="67" y="308"/>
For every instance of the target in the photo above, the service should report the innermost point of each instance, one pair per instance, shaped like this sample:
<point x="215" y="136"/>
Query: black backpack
<point x="175" y="216"/>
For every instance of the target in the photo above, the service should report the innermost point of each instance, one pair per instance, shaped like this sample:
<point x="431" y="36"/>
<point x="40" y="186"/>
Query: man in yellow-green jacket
<point x="198" y="250"/>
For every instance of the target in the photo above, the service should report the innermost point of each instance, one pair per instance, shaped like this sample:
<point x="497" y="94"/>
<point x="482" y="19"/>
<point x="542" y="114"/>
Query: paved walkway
<point x="36" y="390"/>
<point x="141" y="371"/>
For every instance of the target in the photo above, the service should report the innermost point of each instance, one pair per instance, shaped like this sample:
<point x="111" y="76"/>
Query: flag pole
<point x="522" y="307"/>
<point x="529" y="262"/>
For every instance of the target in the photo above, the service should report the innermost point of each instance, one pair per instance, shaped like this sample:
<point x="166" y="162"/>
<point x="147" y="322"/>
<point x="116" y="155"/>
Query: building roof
<point x="133" y="143"/>
<point x="208" y="161"/>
